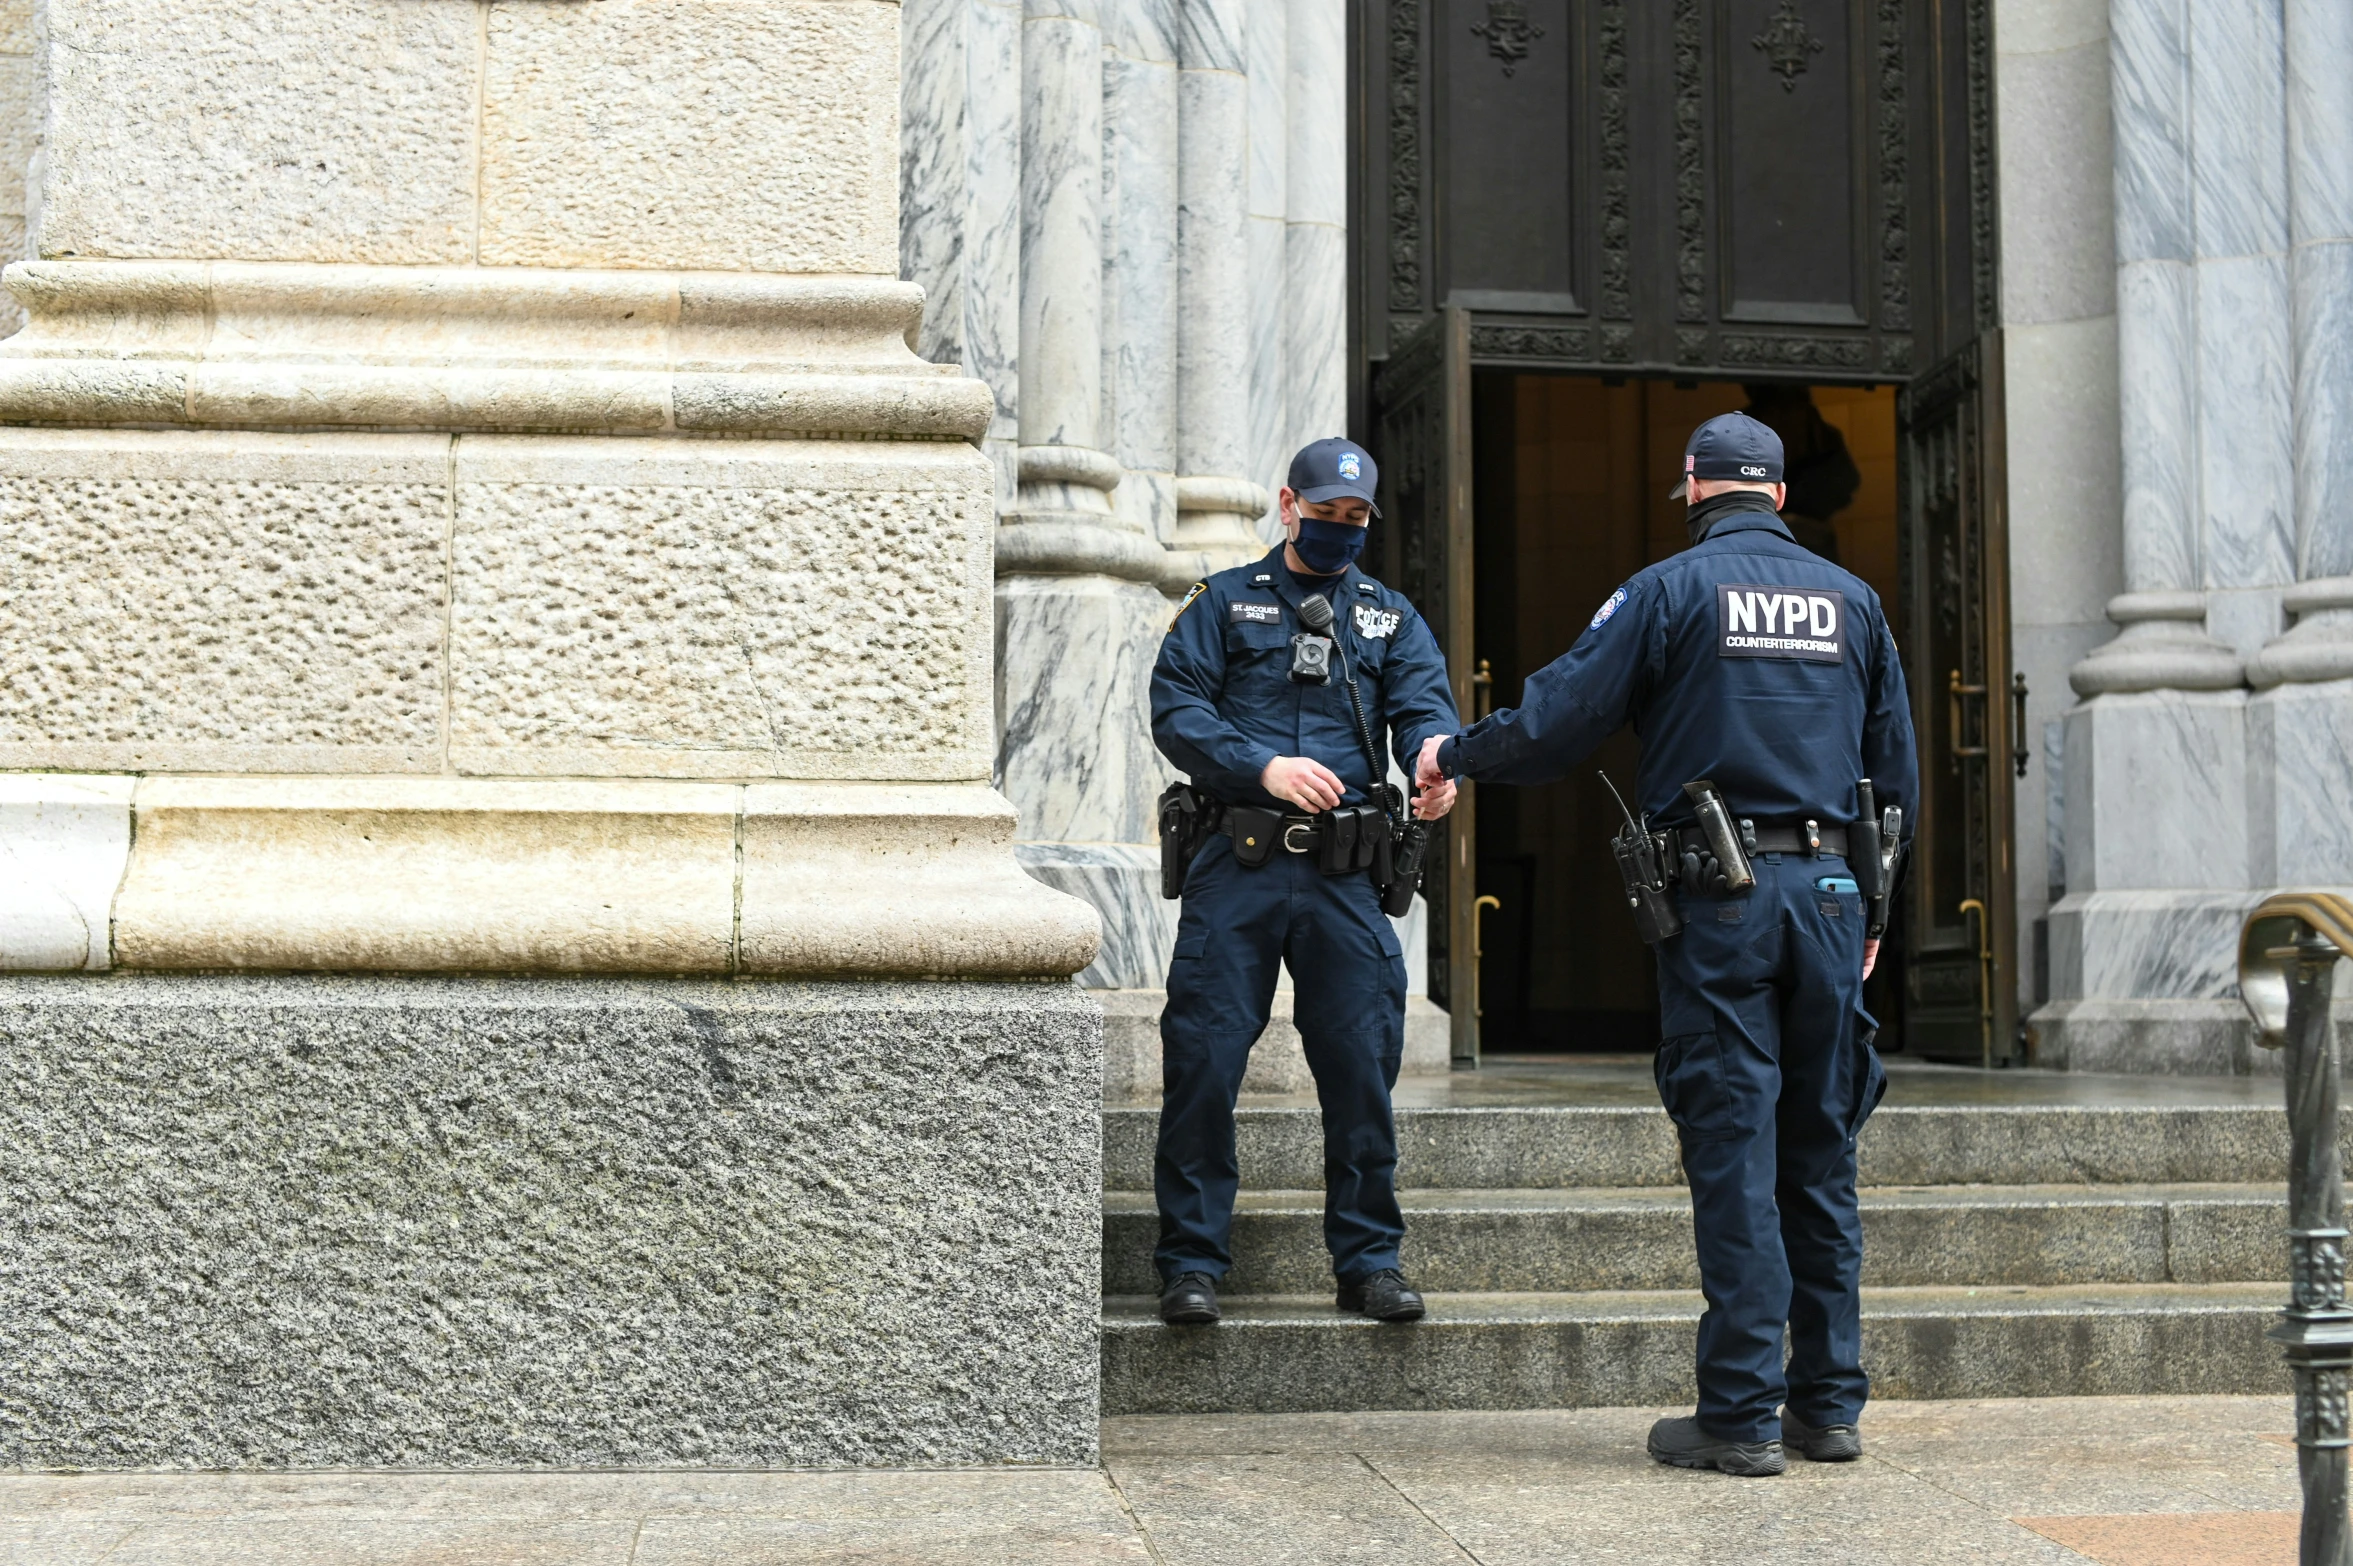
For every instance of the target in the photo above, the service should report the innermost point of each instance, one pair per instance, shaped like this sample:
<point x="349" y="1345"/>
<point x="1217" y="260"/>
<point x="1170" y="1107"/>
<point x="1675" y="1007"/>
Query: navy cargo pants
<point x="1236" y="927"/>
<point x="1767" y="1068"/>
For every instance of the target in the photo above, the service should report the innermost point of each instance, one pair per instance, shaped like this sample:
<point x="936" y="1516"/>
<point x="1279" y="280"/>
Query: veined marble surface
<point x="1140" y="267"/>
<point x="1122" y="881"/>
<point x="2157" y="793"/>
<point x="2319" y="42"/>
<point x="1267" y="42"/>
<point x="1061" y="365"/>
<point x="2246" y="422"/>
<point x="1214" y="356"/>
<point x="2300" y="785"/>
<point x="2157" y="420"/>
<point x="1315" y="204"/>
<point x="1074" y="669"/>
<point x="2147" y="945"/>
<point x="64" y="841"/>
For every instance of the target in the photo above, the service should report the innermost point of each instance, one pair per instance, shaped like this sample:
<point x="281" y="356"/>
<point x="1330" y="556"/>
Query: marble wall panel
<point x="720" y="609"/>
<point x="1266" y="41"/>
<point x="2149" y="62"/>
<point x="1315" y="332"/>
<point x="2238" y="115"/>
<point x="1315" y="168"/>
<point x="1121" y="881"/>
<point x="2057" y="183"/>
<point x="2299" y="757"/>
<point x="935" y="168"/>
<point x="692" y="133"/>
<point x="2157" y="793"/>
<point x="268" y="130"/>
<point x="2320" y="182"/>
<point x="1217" y="326"/>
<point x="222" y="602"/>
<point x="1315" y="197"/>
<point x="2029" y="27"/>
<point x="2147" y="945"/>
<point x="1074" y="668"/>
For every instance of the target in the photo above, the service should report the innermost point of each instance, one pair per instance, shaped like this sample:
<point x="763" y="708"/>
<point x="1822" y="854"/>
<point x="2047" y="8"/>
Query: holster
<point x="1187" y="817"/>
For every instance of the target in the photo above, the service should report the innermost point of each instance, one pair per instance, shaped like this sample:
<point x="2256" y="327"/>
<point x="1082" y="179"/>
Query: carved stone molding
<point x="1505" y="341"/>
<point x="1691" y="175"/>
<point x="1405" y="154"/>
<point x="1895" y="244"/>
<point x="1823" y="353"/>
<point x="1617" y="197"/>
<point x="1984" y="261"/>
<point x="1788" y="44"/>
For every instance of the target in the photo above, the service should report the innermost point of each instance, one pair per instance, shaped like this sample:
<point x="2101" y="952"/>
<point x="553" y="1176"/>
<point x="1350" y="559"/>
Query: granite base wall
<point x="272" y="1222"/>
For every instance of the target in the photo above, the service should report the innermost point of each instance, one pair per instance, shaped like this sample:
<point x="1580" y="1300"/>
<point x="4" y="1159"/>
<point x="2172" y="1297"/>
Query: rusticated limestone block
<point x="271" y="130"/>
<point x="788" y="161"/>
<point x="218" y="602"/>
<point x="722" y="608"/>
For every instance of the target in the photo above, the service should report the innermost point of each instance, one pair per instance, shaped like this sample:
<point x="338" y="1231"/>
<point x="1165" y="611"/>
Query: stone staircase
<point x="2026" y="1235"/>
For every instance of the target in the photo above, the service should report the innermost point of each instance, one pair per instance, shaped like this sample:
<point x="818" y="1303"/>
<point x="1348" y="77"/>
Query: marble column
<point x="960" y="198"/>
<point x="2301" y="721"/>
<point x="1315" y="231"/>
<point x="1267" y="49"/>
<point x="1140" y="287"/>
<point x="1218" y="503"/>
<point x="2156" y="778"/>
<point x="1078" y="616"/>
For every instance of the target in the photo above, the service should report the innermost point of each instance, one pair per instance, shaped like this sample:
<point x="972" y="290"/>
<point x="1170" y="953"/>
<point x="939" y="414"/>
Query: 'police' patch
<point x="1198" y="589"/>
<point x="1254" y="614"/>
<point x="1601" y="616"/>
<point x="1376" y="622"/>
<point x="1806" y="623"/>
<point x="1351" y="468"/>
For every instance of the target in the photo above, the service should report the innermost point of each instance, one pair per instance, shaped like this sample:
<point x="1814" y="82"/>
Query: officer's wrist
<point x="1446" y="758"/>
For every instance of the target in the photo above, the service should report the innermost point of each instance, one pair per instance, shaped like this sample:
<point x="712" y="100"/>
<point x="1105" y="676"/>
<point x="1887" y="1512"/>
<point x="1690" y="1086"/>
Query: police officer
<point x="1285" y="758"/>
<point x="1754" y="664"/>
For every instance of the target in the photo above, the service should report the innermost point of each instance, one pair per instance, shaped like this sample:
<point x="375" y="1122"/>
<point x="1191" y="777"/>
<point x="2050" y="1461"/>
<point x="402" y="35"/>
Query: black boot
<point x="1821" y="1443"/>
<point x="1381" y="1295"/>
<point x="1682" y="1443"/>
<point x="1190" y="1300"/>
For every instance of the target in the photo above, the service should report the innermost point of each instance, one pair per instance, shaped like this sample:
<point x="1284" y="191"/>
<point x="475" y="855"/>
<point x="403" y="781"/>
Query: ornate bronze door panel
<point x="1424" y="402"/>
<point x="1960" y="940"/>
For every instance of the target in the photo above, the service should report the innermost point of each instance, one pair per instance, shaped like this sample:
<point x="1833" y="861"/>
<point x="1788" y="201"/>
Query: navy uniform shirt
<point x="1224" y="703"/>
<point x="1746" y="659"/>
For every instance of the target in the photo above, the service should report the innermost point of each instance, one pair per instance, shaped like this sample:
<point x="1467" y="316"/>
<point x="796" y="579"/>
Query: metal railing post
<point x="2316" y="1327"/>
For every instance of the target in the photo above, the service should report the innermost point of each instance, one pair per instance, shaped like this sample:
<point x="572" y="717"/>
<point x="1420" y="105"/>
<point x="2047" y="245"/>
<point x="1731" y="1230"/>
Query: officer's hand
<point x="1870" y="957"/>
<point x="1425" y="768"/>
<point x="1434" y="801"/>
<point x="1310" y="785"/>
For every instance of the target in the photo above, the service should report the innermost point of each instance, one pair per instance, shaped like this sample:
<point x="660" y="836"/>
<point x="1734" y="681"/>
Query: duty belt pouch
<point x="1337" y="854"/>
<point x="1254" y="831"/>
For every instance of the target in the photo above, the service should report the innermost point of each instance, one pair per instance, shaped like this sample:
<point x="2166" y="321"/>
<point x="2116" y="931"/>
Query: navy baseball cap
<point x="1731" y="446"/>
<point x="1335" y="469"/>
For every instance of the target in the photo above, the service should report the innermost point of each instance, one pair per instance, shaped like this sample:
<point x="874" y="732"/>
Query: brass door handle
<point x="1479" y="907"/>
<point x="1957" y="690"/>
<point x="1482" y="690"/>
<point x="1985" y="980"/>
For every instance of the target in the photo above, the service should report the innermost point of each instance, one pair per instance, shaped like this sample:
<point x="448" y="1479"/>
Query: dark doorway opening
<point x="1570" y="479"/>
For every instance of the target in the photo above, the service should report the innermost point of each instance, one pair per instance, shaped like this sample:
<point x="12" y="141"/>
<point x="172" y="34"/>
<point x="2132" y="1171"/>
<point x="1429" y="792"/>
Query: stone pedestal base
<point x="298" y="1222"/>
<point x="1122" y="883"/>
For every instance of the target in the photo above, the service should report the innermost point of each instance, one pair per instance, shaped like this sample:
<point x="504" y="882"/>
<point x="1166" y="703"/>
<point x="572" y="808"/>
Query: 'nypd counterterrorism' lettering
<point x="1754" y="621"/>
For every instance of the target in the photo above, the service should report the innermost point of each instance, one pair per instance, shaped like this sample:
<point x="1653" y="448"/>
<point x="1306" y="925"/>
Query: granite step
<point x="1565" y="1146"/>
<point x="1640" y="1238"/>
<point x="1295" y="1354"/>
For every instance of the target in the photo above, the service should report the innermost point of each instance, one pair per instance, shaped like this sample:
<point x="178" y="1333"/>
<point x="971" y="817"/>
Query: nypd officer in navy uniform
<point x="1230" y="710"/>
<point x="1755" y="664"/>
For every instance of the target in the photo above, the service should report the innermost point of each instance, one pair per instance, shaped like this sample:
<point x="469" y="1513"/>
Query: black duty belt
<point x="1772" y="840"/>
<point x="1351" y="837"/>
<point x="1293" y="834"/>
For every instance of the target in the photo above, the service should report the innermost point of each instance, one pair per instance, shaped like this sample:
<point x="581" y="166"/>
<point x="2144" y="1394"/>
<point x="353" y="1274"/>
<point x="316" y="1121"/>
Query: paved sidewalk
<point x="2122" y="1481"/>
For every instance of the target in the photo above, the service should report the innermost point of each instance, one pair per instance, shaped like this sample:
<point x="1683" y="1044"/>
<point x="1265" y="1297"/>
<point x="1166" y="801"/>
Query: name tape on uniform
<point x="1754" y="621"/>
<point x="1254" y="614"/>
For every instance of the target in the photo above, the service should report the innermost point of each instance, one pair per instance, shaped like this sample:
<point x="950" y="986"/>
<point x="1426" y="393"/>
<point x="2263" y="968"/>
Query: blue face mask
<point x="1328" y="547"/>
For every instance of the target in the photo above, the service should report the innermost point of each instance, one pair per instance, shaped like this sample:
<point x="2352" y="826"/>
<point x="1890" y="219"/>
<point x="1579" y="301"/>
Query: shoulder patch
<point x="1373" y="622"/>
<point x="1198" y="589"/>
<point x="1804" y="623"/>
<point x="1601" y="616"/>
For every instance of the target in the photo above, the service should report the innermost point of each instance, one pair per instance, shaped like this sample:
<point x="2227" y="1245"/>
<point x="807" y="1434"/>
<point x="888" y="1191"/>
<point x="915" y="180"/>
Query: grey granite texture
<point x="1641" y="1239"/>
<point x="1296" y="1354"/>
<point x="297" y="1223"/>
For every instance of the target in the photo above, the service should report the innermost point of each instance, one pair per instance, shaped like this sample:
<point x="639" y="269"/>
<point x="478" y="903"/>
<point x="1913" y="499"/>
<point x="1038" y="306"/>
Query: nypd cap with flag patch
<point x="1335" y="469"/>
<point x="1731" y="446"/>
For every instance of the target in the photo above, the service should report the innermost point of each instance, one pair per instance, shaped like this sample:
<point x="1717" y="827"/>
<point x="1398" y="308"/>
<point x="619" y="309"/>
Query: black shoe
<point x="1682" y="1443"/>
<point x="1821" y="1443"/>
<point x="1381" y="1295"/>
<point x="1190" y="1300"/>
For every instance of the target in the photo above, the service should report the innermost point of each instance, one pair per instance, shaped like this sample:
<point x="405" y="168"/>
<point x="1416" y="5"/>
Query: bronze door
<point x="1424" y="403"/>
<point x="1960" y="908"/>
